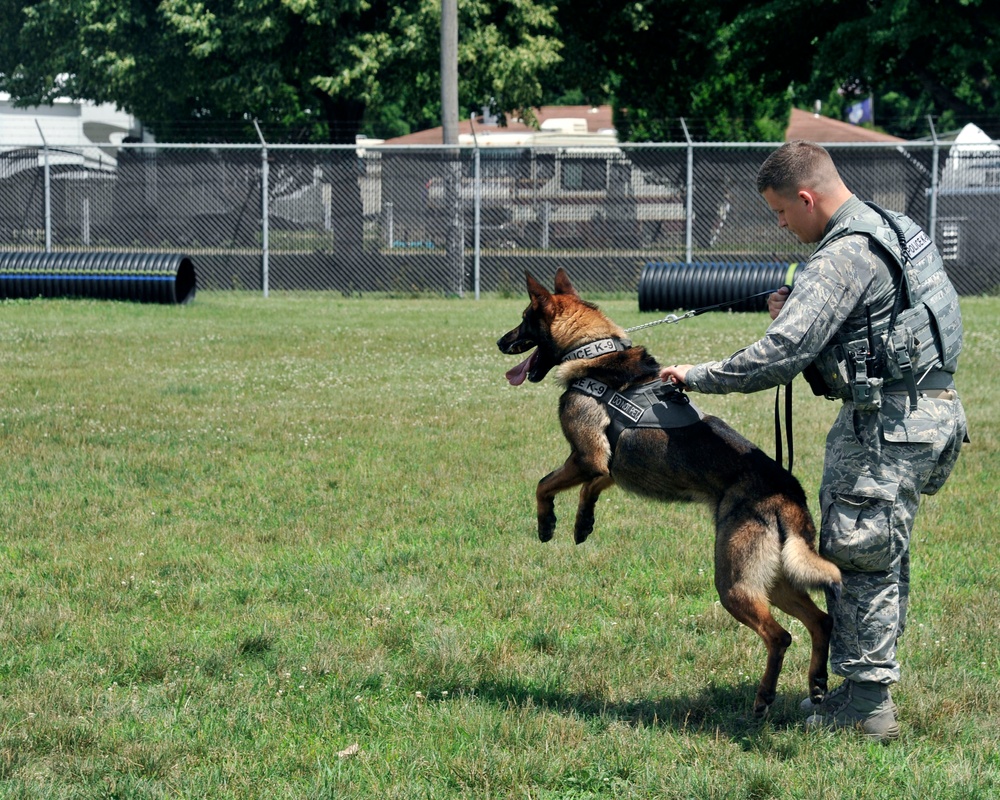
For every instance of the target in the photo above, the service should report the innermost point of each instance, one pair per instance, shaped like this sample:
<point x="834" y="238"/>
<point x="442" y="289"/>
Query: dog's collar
<point x="599" y="348"/>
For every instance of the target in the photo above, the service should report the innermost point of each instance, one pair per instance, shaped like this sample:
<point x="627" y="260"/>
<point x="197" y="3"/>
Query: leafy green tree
<point x="916" y="59"/>
<point x="175" y="61"/>
<point x="325" y="68"/>
<point x="734" y="69"/>
<point x="659" y="60"/>
<point x="507" y="54"/>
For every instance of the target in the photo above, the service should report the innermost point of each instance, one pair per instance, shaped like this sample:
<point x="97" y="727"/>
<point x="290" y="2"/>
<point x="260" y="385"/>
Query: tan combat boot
<point x="859" y="704"/>
<point x="809" y="707"/>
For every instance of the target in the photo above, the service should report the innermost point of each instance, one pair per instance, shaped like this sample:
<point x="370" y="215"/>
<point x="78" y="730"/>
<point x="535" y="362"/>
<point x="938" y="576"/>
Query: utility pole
<point x="449" y="71"/>
<point x="449" y="131"/>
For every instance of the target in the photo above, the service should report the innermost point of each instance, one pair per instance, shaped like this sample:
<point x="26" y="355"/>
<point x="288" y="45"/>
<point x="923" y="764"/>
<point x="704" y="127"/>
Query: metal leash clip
<point x="670" y="318"/>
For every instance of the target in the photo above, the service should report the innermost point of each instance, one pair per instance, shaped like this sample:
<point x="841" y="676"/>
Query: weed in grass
<point x="255" y="646"/>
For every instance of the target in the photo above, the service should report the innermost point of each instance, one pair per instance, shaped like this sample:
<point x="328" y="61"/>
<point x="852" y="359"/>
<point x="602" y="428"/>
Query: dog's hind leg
<point x="747" y="564"/>
<point x="585" y="511"/>
<point x="753" y="611"/>
<point x="818" y="623"/>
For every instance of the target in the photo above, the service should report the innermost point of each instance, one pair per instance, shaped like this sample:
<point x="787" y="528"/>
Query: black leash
<point x="788" y="425"/>
<point x="671" y="318"/>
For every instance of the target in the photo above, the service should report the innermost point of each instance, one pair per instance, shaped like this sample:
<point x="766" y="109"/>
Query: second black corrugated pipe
<point x="142" y="277"/>
<point x="668" y="286"/>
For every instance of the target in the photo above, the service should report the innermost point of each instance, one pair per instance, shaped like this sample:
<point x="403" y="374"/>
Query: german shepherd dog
<point x="764" y="534"/>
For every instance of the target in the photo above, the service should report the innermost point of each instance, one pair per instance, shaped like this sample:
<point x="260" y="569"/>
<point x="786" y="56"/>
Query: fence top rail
<point x="413" y="148"/>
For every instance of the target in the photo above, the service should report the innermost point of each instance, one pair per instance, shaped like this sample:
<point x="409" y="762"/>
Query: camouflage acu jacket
<point x="845" y="279"/>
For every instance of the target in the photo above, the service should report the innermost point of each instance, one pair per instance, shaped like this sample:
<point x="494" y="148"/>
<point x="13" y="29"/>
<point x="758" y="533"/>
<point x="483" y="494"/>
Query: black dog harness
<point x="651" y="405"/>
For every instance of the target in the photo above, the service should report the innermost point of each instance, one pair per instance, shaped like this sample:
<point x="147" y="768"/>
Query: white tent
<point x="973" y="162"/>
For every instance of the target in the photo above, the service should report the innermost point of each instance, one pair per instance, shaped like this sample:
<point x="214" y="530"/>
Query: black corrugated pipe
<point x="668" y="286"/>
<point x="142" y="277"/>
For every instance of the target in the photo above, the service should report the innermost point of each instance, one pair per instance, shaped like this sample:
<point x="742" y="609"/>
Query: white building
<point x="77" y="132"/>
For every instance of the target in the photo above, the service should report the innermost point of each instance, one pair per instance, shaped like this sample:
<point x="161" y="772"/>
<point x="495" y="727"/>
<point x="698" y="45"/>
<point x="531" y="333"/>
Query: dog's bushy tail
<point x="802" y="565"/>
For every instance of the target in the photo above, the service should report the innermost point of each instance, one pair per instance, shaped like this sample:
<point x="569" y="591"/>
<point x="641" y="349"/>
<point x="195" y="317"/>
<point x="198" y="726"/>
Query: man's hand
<point x="675" y="374"/>
<point x="776" y="300"/>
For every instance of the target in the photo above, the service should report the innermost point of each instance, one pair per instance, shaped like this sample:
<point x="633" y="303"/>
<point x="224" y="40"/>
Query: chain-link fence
<point x="464" y="220"/>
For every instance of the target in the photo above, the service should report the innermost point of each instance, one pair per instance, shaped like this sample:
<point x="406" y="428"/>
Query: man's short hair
<point x="795" y="165"/>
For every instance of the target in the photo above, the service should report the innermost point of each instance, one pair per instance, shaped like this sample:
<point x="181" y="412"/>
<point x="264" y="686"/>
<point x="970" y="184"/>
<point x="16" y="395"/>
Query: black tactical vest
<point x="926" y="329"/>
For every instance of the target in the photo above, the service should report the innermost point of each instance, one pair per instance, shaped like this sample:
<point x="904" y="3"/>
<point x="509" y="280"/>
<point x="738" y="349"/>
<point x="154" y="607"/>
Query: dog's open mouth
<point x="517" y="375"/>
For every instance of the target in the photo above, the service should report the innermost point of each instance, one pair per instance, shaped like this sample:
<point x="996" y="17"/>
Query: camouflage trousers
<point x="877" y="465"/>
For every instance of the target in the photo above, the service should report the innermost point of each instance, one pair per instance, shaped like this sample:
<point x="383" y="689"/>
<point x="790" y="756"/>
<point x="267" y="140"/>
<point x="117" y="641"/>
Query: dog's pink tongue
<point x="517" y="375"/>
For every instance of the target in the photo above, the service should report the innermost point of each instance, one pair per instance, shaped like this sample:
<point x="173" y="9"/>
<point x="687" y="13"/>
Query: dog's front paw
<point x="546" y="526"/>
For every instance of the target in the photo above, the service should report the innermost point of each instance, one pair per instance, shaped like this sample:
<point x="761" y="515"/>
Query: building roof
<point x="802" y="125"/>
<point x="817" y="128"/>
<point x="598" y="120"/>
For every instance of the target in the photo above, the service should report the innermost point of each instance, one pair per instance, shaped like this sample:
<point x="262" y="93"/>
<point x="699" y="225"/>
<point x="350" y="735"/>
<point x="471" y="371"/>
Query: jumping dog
<point x="625" y="427"/>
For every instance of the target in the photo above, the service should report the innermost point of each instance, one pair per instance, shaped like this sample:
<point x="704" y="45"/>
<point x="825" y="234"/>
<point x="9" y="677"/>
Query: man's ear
<point x="807" y="198"/>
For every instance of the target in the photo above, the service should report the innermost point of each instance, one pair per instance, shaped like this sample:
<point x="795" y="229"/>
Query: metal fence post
<point x="689" y="209"/>
<point x="455" y="245"/>
<point x="477" y="206"/>
<point x="264" y="213"/>
<point x="47" y="190"/>
<point x="85" y="222"/>
<point x="932" y="222"/>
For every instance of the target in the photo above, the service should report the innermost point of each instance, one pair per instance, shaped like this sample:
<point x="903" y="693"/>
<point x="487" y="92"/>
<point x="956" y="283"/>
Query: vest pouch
<point x="832" y="370"/>
<point x="915" y="327"/>
<point x="945" y="319"/>
<point x="902" y="335"/>
<point x="815" y="380"/>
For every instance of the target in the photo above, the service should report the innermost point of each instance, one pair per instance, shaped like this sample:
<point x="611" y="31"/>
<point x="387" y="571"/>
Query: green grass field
<point x="285" y="548"/>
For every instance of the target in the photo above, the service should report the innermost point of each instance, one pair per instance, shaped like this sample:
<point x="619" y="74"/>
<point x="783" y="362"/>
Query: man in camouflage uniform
<point x="893" y="439"/>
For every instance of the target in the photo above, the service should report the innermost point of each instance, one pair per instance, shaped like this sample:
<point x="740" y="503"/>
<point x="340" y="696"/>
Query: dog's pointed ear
<point x="563" y="286"/>
<point x="537" y="292"/>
